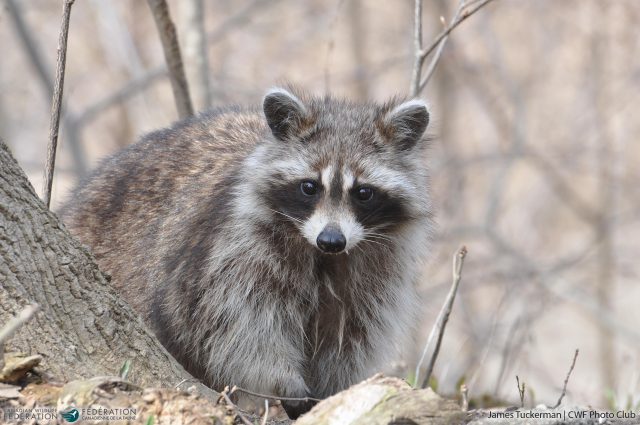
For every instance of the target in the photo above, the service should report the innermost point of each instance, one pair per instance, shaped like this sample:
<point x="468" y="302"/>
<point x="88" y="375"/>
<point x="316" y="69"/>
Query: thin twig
<point x="418" y="84"/>
<point x="237" y="20"/>
<point x="56" y="106"/>
<point x="266" y="412"/>
<point x="14" y="324"/>
<point x="566" y="380"/>
<point x="443" y="317"/>
<point x="196" y="56"/>
<point x="417" y="45"/>
<point x="464" y="397"/>
<point x="235" y="408"/>
<point x="182" y="382"/>
<point x="17" y="322"/>
<point x="521" y="389"/>
<point x="34" y="53"/>
<point x="128" y="90"/>
<point x="171" y="48"/>
<point x="275" y="397"/>
<point x="453" y="25"/>
<point x="151" y="76"/>
<point x="436" y="58"/>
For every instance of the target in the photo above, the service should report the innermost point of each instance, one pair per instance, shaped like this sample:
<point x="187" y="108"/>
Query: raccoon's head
<point x="340" y="174"/>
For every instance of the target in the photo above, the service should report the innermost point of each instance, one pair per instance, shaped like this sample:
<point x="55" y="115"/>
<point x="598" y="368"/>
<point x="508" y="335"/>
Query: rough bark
<point x="83" y="328"/>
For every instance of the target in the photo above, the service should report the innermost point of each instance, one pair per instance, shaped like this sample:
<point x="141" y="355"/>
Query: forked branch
<point x="441" y="322"/>
<point x="465" y="10"/>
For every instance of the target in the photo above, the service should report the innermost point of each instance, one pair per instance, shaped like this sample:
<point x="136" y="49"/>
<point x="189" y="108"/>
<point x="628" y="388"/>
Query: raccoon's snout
<point x="331" y="240"/>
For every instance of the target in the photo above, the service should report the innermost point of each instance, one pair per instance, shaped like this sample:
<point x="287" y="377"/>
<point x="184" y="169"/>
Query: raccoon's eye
<point x="364" y="193"/>
<point x="309" y="187"/>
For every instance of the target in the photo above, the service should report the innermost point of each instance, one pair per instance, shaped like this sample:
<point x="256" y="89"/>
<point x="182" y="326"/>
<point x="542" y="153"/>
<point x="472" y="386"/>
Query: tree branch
<point x="151" y="76"/>
<point x="417" y="82"/>
<point x="436" y="58"/>
<point x="56" y="106"/>
<point x="417" y="46"/>
<point x="171" y="48"/>
<point x="566" y="380"/>
<point x="443" y="318"/>
<point x="196" y="56"/>
<point x="34" y="54"/>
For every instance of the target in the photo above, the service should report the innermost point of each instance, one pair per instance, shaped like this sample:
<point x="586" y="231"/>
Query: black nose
<point x="331" y="240"/>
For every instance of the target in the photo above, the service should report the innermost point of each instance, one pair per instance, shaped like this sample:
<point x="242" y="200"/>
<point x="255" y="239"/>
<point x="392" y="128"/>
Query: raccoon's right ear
<point x="285" y="113"/>
<point x="405" y="124"/>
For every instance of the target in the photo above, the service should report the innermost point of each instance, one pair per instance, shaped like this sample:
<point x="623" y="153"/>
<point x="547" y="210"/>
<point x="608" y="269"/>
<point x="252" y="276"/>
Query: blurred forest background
<point x="534" y="164"/>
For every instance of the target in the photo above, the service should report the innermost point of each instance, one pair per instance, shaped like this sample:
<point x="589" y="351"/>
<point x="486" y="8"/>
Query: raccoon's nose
<point x="331" y="240"/>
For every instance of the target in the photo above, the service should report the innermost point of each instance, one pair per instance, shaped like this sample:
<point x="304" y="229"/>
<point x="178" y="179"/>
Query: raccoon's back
<point x="128" y="206"/>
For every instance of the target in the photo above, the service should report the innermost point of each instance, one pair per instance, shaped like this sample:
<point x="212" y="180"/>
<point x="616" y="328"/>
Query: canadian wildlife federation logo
<point x="70" y="414"/>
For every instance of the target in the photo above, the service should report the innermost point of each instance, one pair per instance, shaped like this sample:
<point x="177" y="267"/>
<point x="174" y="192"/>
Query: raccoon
<point x="273" y="249"/>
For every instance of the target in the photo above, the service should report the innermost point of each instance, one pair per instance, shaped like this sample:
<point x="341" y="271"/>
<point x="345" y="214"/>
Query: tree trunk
<point x="83" y="328"/>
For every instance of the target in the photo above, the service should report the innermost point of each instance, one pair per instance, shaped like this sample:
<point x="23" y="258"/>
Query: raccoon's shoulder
<point x="197" y="148"/>
<point x="224" y="131"/>
<point x="204" y="144"/>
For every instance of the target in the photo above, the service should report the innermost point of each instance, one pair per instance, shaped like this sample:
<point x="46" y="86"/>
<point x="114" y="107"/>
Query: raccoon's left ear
<point x="405" y="124"/>
<point x="285" y="113"/>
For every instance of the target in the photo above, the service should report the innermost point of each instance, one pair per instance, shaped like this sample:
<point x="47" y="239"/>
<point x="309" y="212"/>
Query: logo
<point x="71" y="414"/>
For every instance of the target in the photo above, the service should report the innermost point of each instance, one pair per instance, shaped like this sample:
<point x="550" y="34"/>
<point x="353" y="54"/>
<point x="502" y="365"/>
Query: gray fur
<point x="184" y="222"/>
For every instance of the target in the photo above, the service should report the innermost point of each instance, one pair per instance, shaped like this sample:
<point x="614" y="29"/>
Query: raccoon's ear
<point x="285" y="113"/>
<point x="405" y="124"/>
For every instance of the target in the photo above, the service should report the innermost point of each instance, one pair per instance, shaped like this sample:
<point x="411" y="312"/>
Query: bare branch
<point x="521" y="389"/>
<point x="436" y="58"/>
<point x="34" y="54"/>
<point x="196" y="56"/>
<point x="566" y="380"/>
<point x="453" y="25"/>
<point x="266" y="412"/>
<point x="130" y="89"/>
<point x="235" y="408"/>
<point x="464" y="397"/>
<point x="275" y="397"/>
<point x="417" y="45"/>
<point x="238" y="19"/>
<point x="417" y="83"/>
<point x="56" y="106"/>
<point x="171" y="48"/>
<point x="17" y="322"/>
<point x="14" y="324"/>
<point x="151" y="76"/>
<point x="443" y="318"/>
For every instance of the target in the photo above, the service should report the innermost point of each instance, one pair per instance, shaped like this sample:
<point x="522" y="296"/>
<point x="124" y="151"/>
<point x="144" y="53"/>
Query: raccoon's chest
<point x="335" y="322"/>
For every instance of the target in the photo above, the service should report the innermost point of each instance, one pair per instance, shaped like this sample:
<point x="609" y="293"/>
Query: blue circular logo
<point x="71" y="414"/>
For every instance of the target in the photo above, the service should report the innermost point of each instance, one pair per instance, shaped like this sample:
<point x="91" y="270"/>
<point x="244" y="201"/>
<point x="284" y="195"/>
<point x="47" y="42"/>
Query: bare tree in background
<point x="196" y="54"/>
<point x="173" y="56"/>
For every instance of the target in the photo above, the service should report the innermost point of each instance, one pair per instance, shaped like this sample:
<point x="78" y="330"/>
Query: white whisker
<point x="297" y="220"/>
<point x="377" y="242"/>
<point x="379" y="236"/>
